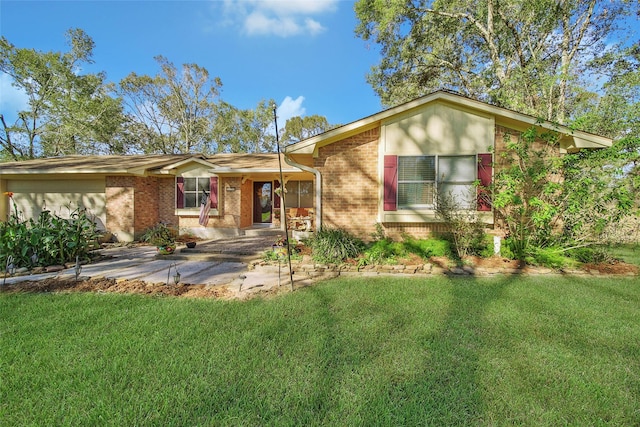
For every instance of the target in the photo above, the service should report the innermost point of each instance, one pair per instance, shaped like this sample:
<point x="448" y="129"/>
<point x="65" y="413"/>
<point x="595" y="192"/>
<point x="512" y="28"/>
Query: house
<point x="383" y="169"/>
<point x="128" y="194"/>
<point x="387" y="168"/>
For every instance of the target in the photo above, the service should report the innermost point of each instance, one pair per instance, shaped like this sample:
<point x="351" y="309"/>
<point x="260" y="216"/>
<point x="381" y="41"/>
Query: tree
<point x="524" y="55"/>
<point x="245" y="131"/>
<point x="615" y="112"/>
<point x="299" y="128"/>
<point x="172" y="112"/>
<point x="547" y="200"/>
<point x="68" y="112"/>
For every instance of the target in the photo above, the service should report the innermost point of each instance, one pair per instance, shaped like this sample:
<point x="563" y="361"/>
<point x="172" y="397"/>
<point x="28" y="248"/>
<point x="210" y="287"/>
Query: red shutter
<point x="390" y="183"/>
<point x="214" y="192"/>
<point x="180" y="192"/>
<point x="276" y="198"/>
<point x="485" y="172"/>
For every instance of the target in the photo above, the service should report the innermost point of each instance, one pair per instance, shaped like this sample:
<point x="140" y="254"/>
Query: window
<point x="189" y="191"/>
<point x="456" y="176"/>
<point x="193" y="188"/>
<point x="421" y="178"/>
<point x="416" y="181"/>
<point x="299" y="194"/>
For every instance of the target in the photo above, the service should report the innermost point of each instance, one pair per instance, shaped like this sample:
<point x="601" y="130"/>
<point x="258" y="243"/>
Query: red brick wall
<point x="167" y="201"/>
<point x="350" y="186"/>
<point x="137" y="203"/>
<point x="119" y="193"/>
<point x="246" y="204"/>
<point x="146" y="203"/>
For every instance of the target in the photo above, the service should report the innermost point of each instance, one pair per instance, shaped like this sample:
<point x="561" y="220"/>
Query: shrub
<point x="160" y="235"/>
<point x="590" y="254"/>
<point x="426" y="248"/>
<point x="382" y="252"/>
<point x="48" y="240"/>
<point x="549" y="257"/>
<point x="333" y="246"/>
<point x="464" y="228"/>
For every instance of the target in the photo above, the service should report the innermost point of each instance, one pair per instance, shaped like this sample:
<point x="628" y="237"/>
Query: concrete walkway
<point x="212" y="263"/>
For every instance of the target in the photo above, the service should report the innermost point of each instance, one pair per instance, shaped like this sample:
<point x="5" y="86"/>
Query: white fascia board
<point x="223" y="170"/>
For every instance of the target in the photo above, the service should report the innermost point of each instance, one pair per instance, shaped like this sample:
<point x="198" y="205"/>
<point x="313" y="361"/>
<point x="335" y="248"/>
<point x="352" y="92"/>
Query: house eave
<point x="311" y="145"/>
<point x="228" y="171"/>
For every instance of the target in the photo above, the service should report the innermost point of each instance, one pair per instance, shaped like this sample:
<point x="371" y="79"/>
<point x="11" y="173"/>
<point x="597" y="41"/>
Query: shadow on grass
<point x="433" y="377"/>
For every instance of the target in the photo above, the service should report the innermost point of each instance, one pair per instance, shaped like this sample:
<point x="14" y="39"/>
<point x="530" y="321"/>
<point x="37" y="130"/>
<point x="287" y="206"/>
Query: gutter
<point x="318" y="187"/>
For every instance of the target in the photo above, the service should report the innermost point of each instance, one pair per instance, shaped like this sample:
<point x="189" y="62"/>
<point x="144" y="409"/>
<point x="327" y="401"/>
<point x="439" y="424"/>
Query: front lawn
<point x="545" y="350"/>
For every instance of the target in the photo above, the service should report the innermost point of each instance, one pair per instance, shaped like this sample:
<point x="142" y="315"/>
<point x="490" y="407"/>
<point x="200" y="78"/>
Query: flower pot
<point x="191" y="245"/>
<point x="281" y="251"/>
<point x="166" y="249"/>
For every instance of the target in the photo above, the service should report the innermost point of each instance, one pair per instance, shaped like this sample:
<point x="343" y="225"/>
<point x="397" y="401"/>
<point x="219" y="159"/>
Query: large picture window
<point x="299" y="194"/>
<point x="422" y="178"/>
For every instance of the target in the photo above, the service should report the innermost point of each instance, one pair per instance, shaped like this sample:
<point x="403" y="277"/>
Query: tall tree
<point x="299" y="128"/>
<point x="615" y="111"/>
<point x="68" y="112"/>
<point x="525" y="55"/>
<point x="245" y="131"/>
<point x="173" y="111"/>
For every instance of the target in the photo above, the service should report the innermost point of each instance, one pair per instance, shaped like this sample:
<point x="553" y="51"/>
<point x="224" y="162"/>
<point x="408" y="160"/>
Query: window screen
<point x="416" y="181"/>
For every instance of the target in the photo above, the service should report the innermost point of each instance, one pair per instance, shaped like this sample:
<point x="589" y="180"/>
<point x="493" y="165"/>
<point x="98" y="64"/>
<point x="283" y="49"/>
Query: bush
<point x="549" y="257"/>
<point x="160" y="235"/>
<point x="590" y="254"/>
<point x="463" y="225"/>
<point x="426" y="248"/>
<point x="48" y="240"/>
<point x="382" y="252"/>
<point x="333" y="246"/>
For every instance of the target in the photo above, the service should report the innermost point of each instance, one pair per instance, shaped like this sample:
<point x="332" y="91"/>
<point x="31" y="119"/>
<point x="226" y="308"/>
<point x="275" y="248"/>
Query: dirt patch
<point x="613" y="268"/>
<point x="119" y="286"/>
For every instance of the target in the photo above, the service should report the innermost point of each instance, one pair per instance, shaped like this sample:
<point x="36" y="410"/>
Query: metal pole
<point x="284" y="207"/>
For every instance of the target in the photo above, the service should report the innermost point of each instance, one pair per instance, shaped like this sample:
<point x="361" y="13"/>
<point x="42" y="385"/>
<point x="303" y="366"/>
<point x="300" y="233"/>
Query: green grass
<point x="371" y="351"/>
<point x="629" y="253"/>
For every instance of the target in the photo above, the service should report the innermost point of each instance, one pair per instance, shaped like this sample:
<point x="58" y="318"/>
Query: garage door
<point x="60" y="196"/>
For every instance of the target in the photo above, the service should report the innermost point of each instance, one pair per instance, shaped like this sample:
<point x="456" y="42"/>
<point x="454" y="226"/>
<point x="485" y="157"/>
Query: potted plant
<point x="279" y="246"/>
<point x="162" y="237"/>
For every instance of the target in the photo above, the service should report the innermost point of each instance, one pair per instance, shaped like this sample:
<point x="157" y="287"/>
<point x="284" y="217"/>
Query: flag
<point x="205" y="207"/>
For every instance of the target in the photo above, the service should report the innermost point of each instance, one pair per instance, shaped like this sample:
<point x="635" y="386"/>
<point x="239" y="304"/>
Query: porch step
<point x="263" y="232"/>
<point x="186" y="255"/>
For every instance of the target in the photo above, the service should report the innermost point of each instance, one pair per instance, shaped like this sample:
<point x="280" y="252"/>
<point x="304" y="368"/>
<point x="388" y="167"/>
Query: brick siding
<point x="350" y="185"/>
<point x="246" y="202"/>
<point x="119" y="194"/>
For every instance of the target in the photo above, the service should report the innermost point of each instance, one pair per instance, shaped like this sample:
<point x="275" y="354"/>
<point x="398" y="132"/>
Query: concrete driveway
<point x="212" y="263"/>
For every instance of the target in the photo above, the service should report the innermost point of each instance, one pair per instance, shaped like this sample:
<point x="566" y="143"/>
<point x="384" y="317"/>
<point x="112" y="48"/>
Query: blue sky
<point x="302" y="53"/>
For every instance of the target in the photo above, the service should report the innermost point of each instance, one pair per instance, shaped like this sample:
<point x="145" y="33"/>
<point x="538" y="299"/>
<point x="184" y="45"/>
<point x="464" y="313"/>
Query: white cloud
<point x="288" y="108"/>
<point x="282" y="18"/>
<point x="12" y="99"/>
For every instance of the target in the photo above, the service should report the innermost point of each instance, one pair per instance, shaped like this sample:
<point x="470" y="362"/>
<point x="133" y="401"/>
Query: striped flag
<point x="205" y="207"/>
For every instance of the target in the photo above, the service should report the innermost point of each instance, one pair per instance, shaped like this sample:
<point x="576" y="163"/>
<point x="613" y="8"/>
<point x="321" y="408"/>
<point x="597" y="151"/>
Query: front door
<point x="262" y="202"/>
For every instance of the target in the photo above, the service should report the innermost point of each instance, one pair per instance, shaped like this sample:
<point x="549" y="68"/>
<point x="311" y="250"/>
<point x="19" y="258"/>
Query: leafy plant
<point x="464" y="228"/>
<point x="551" y="257"/>
<point x="527" y="189"/>
<point x="48" y="240"/>
<point x="426" y="248"/>
<point x="160" y="235"/>
<point x="333" y="246"/>
<point x="383" y="251"/>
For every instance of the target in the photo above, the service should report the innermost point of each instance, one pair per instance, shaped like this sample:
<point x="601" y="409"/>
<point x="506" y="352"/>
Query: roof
<point x="90" y="164"/>
<point x="308" y="146"/>
<point x="145" y="164"/>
